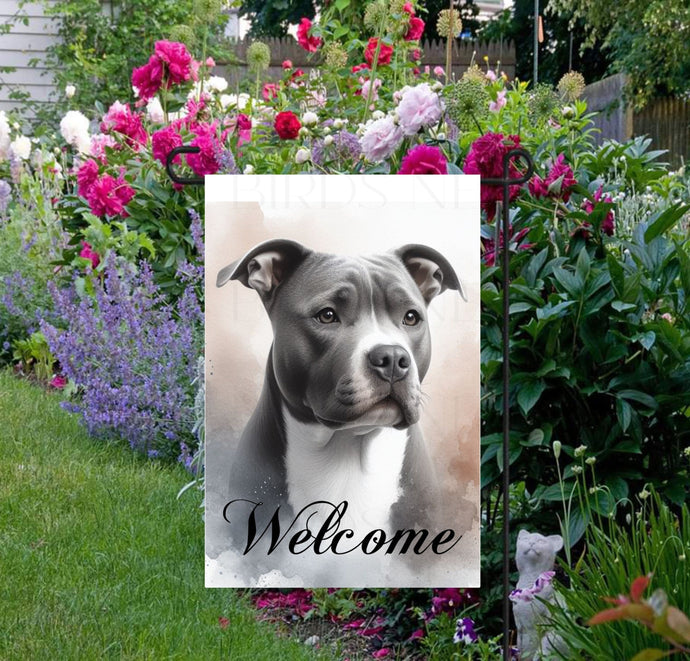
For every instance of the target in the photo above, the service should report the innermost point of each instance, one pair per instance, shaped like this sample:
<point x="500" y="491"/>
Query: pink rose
<point x="287" y="64"/>
<point x="416" y="29"/>
<point x="210" y="62"/>
<point x="419" y="106"/>
<point x="179" y="63"/>
<point x="439" y="71"/>
<point x="86" y="176"/>
<point x="163" y="142"/>
<point x="424" y="159"/>
<point x="269" y="91"/>
<point x="87" y="252"/>
<point x="310" y="44"/>
<point x="149" y="78"/>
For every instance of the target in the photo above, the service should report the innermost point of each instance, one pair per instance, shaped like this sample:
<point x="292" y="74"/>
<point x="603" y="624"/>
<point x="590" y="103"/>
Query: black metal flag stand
<point x="506" y="182"/>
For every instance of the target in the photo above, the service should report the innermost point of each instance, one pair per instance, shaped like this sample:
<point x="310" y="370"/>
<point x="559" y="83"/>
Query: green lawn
<point x="98" y="559"/>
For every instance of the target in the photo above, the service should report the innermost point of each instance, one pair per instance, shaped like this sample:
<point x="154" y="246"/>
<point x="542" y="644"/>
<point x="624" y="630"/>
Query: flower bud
<point x="337" y="124"/>
<point x="310" y="118"/>
<point x="328" y="140"/>
<point x="302" y="156"/>
<point x="556" y="449"/>
<point x="248" y="169"/>
<point x="70" y="90"/>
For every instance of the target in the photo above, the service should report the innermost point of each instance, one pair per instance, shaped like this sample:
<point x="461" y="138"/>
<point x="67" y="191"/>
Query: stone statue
<point x="535" y="556"/>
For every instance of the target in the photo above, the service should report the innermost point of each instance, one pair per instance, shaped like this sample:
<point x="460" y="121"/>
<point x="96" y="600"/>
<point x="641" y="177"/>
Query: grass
<point x="98" y="558"/>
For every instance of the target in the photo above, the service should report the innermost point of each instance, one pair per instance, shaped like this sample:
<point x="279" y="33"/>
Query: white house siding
<point x="19" y="47"/>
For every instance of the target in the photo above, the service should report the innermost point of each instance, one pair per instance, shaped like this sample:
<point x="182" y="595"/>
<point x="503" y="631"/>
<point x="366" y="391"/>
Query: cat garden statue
<point x="535" y="557"/>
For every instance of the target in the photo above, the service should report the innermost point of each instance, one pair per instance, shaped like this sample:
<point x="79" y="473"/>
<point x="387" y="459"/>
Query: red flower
<point x="381" y="654"/>
<point x="223" y="622"/>
<point x="163" y="142"/>
<point x="109" y="196"/>
<point x="385" y="52"/>
<point x="310" y="44"/>
<point x="149" y="78"/>
<point x="418" y="633"/>
<point x="287" y="64"/>
<point x="87" y="252"/>
<point x="287" y="125"/>
<point x="244" y="129"/>
<point x="416" y="54"/>
<point x="86" y="176"/>
<point x="407" y="7"/>
<point x="359" y="67"/>
<point x="424" y="159"/>
<point x="205" y="161"/>
<point x="416" y="29"/>
<point x="58" y="382"/>
<point x="486" y="159"/>
<point x="558" y="182"/>
<point x="180" y="66"/>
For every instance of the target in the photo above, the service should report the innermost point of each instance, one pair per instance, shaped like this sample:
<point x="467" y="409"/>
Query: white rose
<point x="70" y="91"/>
<point x="21" y="147"/>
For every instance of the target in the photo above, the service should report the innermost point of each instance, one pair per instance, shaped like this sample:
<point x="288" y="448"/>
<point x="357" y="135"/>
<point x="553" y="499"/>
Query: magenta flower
<point x="608" y="224"/>
<point x="558" y="182"/>
<point x="486" y="159"/>
<point x="121" y="119"/>
<point x="86" y="176"/>
<point x="205" y="162"/>
<point x="163" y="142"/>
<point x="87" y="252"/>
<point x="180" y="67"/>
<point x="489" y="245"/>
<point x="381" y="654"/>
<point x="424" y="159"/>
<point x="149" y="78"/>
<point x="415" y="30"/>
<point x="309" y="43"/>
<point x="109" y="196"/>
<point x="58" y="382"/>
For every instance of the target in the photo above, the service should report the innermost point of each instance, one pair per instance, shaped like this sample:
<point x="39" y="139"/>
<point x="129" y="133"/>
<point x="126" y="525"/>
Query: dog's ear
<point x="265" y="266"/>
<point x="430" y="270"/>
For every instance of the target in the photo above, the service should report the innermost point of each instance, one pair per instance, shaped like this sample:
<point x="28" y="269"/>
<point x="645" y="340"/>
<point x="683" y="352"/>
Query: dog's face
<point x="351" y="337"/>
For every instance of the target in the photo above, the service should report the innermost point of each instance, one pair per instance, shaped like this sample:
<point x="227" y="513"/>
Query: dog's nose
<point x="390" y="362"/>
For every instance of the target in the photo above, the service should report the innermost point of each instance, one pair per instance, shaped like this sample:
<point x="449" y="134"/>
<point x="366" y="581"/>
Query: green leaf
<point x="624" y="414"/>
<point x="639" y="397"/>
<point x="645" y="339"/>
<point x="582" y="266"/>
<point x="619" y="306"/>
<point x="649" y="654"/>
<point x="529" y="394"/>
<point x="664" y="220"/>
<point x="453" y="169"/>
<point x="572" y="283"/>
<point x="536" y="437"/>
<point x="684" y="262"/>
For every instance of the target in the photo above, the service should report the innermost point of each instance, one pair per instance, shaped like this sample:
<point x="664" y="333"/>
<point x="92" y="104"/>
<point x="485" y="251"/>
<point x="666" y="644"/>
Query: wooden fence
<point x="434" y="54"/>
<point x="665" y="121"/>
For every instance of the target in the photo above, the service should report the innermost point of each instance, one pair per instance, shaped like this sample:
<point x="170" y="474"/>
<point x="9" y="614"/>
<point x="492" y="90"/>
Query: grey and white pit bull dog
<point x="337" y="419"/>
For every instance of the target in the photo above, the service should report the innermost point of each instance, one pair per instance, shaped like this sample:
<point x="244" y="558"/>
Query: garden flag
<point x="342" y="381"/>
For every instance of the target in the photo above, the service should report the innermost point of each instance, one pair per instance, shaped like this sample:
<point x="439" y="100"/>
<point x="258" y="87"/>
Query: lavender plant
<point x="133" y="357"/>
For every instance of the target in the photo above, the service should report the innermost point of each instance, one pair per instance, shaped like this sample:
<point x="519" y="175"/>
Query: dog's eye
<point x="327" y="316"/>
<point x="411" y="318"/>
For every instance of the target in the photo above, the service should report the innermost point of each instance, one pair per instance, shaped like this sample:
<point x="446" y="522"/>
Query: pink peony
<point x="109" y="196"/>
<point x="310" y="44"/>
<point x="419" y="107"/>
<point x="495" y="106"/>
<point x="424" y="159"/>
<point x="287" y="64"/>
<point x="416" y="29"/>
<point x="86" y="176"/>
<point x="557" y="184"/>
<point x="374" y="91"/>
<point x="180" y="67"/>
<point x="98" y="144"/>
<point x="269" y="91"/>
<point x="439" y="71"/>
<point x="163" y="142"/>
<point x="381" y="138"/>
<point x="485" y="158"/>
<point x="244" y="129"/>
<point x="121" y="119"/>
<point x="205" y="162"/>
<point x="149" y="78"/>
<point x="87" y="252"/>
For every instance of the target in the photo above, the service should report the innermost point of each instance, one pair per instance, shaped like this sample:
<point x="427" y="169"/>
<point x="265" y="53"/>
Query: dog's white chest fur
<point x="363" y="470"/>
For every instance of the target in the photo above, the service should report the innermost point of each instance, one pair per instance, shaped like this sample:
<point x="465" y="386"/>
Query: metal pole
<point x="535" y="73"/>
